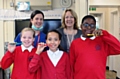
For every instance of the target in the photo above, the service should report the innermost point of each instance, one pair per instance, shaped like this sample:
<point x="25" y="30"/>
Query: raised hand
<point x="40" y="48"/>
<point x="98" y="32"/>
<point x="11" y="47"/>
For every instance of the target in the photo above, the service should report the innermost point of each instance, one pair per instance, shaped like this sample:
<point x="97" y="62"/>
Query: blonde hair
<point x="28" y="29"/>
<point x="75" y="18"/>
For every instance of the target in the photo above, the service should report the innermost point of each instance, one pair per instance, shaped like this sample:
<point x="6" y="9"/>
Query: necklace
<point x="68" y="38"/>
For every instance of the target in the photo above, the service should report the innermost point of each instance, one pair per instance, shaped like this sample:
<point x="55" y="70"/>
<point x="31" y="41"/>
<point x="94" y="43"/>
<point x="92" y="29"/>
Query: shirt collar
<point x="24" y="48"/>
<point x="92" y="38"/>
<point x="55" y="53"/>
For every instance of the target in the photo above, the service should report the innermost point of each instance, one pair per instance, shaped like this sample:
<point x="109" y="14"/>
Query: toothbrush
<point x="46" y="44"/>
<point x="90" y="34"/>
<point x="14" y="43"/>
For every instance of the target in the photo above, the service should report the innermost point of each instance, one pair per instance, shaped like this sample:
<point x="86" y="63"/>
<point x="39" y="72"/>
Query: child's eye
<point x="30" y="37"/>
<point x="56" y="39"/>
<point x="49" y="39"/>
<point x="24" y="37"/>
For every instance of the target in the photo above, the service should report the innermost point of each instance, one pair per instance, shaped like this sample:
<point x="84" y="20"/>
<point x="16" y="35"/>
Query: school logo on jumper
<point x="29" y="58"/>
<point x="98" y="47"/>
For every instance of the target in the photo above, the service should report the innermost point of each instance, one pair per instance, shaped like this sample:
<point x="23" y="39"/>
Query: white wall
<point x="104" y="2"/>
<point x="1" y="33"/>
<point x="6" y="28"/>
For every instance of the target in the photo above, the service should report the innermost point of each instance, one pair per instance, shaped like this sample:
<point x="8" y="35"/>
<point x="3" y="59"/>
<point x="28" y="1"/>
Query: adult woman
<point x="36" y="21"/>
<point x="69" y="29"/>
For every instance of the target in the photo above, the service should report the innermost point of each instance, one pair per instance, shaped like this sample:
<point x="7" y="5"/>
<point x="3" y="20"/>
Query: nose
<point x="52" y="41"/>
<point x="89" y="27"/>
<point x="27" y="39"/>
<point x="39" y="20"/>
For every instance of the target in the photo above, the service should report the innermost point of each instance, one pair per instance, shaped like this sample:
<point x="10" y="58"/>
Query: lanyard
<point x="38" y="40"/>
<point x="68" y="39"/>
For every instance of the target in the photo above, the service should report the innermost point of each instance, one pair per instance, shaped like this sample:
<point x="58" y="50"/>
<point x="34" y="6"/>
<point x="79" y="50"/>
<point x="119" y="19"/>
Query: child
<point x="20" y="56"/>
<point x="88" y="54"/>
<point x="54" y="63"/>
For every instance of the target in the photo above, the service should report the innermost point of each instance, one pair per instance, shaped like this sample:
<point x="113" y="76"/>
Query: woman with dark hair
<point x="36" y="22"/>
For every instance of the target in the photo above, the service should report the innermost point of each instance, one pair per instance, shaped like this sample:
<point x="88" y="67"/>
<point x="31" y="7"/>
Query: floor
<point x="111" y="74"/>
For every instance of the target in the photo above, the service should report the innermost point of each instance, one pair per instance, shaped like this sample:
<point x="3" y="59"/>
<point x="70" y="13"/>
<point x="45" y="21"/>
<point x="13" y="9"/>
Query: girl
<point x="20" y="56"/>
<point x="36" y="22"/>
<point x="54" y="63"/>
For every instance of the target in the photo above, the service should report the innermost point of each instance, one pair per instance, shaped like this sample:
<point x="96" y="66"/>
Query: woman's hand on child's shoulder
<point x="98" y="32"/>
<point x="40" y="47"/>
<point x="11" y="47"/>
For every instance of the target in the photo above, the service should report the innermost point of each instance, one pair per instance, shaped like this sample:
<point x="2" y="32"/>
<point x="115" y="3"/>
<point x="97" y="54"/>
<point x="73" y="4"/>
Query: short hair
<point x="88" y="16"/>
<point x="75" y="18"/>
<point x="28" y="29"/>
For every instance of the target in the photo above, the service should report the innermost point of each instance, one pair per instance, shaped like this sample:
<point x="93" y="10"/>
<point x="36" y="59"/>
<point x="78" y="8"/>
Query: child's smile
<point x="88" y="27"/>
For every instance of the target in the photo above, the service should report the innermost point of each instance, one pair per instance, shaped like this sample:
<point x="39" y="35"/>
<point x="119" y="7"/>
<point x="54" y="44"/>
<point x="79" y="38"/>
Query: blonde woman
<point x="69" y="29"/>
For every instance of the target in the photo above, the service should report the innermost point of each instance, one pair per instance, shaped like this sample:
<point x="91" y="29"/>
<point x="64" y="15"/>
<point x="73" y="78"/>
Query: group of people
<point x="63" y="53"/>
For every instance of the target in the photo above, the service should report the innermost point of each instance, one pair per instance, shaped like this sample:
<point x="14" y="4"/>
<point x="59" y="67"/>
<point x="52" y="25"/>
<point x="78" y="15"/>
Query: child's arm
<point x="8" y="58"/>
<point x="72" y="59"/>
<point x="113" y="45"/>
<point x="35" y="62"/>
<point x="68" y="69"/>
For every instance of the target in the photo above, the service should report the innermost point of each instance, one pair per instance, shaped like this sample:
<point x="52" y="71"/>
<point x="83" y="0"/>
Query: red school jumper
<point x="48" y="70"/>
<point x="88" y="57"/>
<point x="21" y="62"/>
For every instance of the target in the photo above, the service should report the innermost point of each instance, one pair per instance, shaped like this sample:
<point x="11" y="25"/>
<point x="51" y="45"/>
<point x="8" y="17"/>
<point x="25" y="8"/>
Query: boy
<point x="88" y="54"/>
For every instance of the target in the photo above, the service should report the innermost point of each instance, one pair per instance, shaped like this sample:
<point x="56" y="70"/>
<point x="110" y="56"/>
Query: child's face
<point x="27" y="38"/>
<point x="88" y="27"/>
<point x="53" y="41"/>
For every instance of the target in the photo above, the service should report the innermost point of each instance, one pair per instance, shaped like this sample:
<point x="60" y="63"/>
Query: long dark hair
<point x="33" y="15"/>
<point x="59" y="34"/>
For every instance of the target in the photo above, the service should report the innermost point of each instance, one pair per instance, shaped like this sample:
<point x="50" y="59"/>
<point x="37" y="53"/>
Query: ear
<point x="59" y="42"/>
<point x="31" y="20"/>
<point x="33" y="39"/>
<point x="81" y="26"/>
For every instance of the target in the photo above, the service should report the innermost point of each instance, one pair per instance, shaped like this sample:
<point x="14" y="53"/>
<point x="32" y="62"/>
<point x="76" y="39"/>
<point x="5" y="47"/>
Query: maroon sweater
<point x="88" y="57"/>
<point x="21" y="61"/>
<point x="48" y="70"/>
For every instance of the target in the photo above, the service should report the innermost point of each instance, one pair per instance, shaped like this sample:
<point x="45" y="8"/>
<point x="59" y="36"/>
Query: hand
<point x="40" y="48"/>
<point x="11" y="47"/>
<point x="98" y="32"/>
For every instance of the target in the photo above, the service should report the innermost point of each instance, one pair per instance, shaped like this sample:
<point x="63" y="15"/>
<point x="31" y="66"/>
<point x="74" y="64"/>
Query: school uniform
<point x="20" y="59"/>
<point x="53" y="65"/>
<point x="88" y="55"/>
